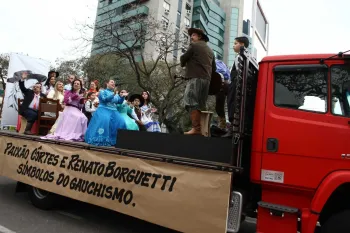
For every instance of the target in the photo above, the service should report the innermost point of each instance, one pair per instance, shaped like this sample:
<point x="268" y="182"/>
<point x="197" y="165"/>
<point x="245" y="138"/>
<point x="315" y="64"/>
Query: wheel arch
<point x="332" y="195"/>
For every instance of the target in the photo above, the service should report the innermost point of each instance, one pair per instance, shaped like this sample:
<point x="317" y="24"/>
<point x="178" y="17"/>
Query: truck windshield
<point x="340" y="81"/>
<point x="301" y="89"/>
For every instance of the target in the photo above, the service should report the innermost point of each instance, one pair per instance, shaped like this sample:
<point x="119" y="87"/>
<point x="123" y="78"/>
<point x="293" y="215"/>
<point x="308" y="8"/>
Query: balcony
<point x="127" y="16"/>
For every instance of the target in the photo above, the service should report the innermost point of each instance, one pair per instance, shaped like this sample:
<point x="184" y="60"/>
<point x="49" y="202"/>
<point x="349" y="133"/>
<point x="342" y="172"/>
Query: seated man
<point x="30" y="105"/>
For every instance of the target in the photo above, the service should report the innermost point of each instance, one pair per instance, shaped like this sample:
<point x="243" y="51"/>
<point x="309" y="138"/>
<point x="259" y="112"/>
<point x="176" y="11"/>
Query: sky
<point x="46" y="28"/>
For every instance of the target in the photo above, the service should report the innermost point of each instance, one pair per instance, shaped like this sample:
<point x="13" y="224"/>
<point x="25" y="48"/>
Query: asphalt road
<point x="17" y="215"/>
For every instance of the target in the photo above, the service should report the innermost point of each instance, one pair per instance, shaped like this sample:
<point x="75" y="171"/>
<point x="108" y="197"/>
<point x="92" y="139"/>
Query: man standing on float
<point x="199" y="60"/>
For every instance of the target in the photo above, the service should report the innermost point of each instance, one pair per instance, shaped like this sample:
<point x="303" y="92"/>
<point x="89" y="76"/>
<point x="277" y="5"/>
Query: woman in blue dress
<point x="103" y="127"/>
<point x="125" y="110"/>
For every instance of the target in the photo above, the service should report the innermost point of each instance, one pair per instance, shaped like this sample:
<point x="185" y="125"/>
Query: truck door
<point x="339" y="114"/>
<point x="298" y="128"/>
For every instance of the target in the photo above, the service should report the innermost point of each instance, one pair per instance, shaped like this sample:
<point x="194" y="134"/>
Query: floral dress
<point x="146" y="118"/>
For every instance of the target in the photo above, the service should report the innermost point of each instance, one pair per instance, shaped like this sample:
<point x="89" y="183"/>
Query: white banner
<point x="18" y="65"/>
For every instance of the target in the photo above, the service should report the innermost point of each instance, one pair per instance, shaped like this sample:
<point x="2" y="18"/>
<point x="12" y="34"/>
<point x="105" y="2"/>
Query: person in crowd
<point x="70" y="80"/>
<point x="94" y="87"/>
<point x="90" y="105"/>
<point x="56" y="94"/>
<point x="147" y="114"/>
<point x="220" y="97"/>
<point x="136" y="101"/>
<point x="82" y="80"/>
<point x="106" y="121"/>
<point x="50" y="82"/>
<point x="73" y="123"/>
<point x="199" y="60"/>
<point x="237" y="44"/>
<point x="125" y="110"/>
<point x="30" y="105"/>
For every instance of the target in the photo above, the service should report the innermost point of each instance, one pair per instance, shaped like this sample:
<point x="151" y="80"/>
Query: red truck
<point x="293" y="123"/>
<point x="288" y="163"/>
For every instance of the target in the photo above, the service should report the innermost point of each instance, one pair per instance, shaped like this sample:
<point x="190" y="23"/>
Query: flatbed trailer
<point x="177" y="192"/>
<point x="287" y="164"/>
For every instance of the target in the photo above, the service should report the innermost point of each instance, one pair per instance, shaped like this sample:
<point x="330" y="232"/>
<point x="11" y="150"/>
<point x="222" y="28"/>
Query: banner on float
<point x="182" y="198"/>
<point x="20" y="64"/>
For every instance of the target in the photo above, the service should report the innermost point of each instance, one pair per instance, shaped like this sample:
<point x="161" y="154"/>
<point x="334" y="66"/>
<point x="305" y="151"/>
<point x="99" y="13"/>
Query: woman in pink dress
<point x="73" y="123"/>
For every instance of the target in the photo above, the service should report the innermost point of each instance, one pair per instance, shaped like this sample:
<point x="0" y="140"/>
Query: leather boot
<point x="28" y="129"/>
<point x="222" y="122"/>
<point x="196" y="123"/>
<point x="229" y="132"/>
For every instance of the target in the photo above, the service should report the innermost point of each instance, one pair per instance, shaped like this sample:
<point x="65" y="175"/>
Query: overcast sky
<point x="44" y="28"/>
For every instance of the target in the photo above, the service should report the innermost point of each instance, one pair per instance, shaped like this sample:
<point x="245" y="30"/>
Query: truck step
<point x="235" y="212"/>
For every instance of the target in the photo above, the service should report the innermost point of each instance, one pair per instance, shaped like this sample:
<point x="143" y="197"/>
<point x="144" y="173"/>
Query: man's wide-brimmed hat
<point x="52" y="71"/>
<point x="136" y="96"/>
<point x="199" y="32"/>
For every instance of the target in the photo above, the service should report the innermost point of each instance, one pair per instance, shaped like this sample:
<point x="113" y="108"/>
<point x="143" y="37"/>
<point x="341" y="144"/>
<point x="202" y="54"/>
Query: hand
<point x="25" y="75"/>
<point x="96" y="104"/>
<point x="124" y="94"/>
<point x="153" y="110"/>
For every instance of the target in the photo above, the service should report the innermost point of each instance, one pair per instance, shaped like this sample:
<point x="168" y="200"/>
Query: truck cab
<point x="291" y="128"/>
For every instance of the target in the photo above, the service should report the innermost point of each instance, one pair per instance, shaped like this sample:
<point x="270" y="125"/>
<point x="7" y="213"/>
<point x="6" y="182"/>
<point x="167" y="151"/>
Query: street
<point x="17" y="215"/>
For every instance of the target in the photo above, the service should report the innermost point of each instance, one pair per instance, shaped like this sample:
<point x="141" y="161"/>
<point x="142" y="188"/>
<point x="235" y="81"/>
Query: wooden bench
<point x="206" y="117"/>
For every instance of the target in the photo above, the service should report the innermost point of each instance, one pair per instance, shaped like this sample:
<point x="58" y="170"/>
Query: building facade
<point x="176" y="14"/>
<point x="245" y="18"/>
<point x="210" y="17"/>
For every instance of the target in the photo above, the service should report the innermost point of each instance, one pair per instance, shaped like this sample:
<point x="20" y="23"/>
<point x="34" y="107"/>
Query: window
<point x="110" y="1"/>
<point x="165" y="21"/>
<point x="302" y="87"/>
<point x="261" y="24"/>
<point x="166" y="6"/>
<point x="340" y="82"/>
<point x="188" y="9"/>
<point x="187" y="22"/>
<point x="186" y="38"/>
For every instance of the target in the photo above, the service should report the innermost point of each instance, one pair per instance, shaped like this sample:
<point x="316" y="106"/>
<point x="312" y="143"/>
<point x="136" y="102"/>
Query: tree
<point x="69" y="67"/>
<point x="105" y="67"/>
<point x="4" y="64"/>
<point x="148" y="48"/>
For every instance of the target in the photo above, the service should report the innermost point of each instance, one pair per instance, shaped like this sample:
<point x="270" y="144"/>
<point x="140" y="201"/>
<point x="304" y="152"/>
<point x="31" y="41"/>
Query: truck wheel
<point x="337" y="223"/>
<point x="41" y="199"/>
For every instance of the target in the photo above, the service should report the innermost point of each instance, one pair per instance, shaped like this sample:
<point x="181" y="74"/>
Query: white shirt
<point x="35" y="100"/>
<point x="46" y="90"/>
<point x="91" y="109"/>
<point x="133" y="114"/>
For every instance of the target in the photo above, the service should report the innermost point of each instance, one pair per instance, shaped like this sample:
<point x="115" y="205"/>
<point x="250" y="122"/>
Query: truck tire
<point x="42" y="199"/>
<point x="338" y="223"/>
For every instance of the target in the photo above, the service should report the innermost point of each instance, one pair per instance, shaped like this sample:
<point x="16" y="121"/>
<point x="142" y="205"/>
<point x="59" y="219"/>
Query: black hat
<point x="137" y="96"/>
<point x="52" y="71"/>
<point x="199" y="32"/>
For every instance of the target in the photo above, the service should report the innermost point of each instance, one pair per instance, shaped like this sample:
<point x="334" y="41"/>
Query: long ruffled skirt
<point x="71" y="125"/>
<point x="103" y="127"/>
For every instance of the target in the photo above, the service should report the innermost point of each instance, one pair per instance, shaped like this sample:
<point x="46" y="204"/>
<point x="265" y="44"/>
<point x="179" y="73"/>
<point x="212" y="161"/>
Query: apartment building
<point x="210" y="17"/>
<point x="245" y="18"/>
<point x="175" y="14"/>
